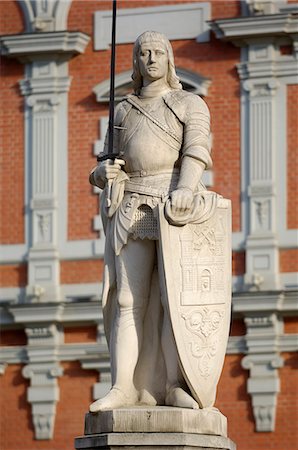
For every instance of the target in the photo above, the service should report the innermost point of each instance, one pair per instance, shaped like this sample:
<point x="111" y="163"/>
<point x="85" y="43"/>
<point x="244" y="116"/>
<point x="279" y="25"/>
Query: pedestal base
<point x="155" y="428"/>
<point x="153" y="441"/>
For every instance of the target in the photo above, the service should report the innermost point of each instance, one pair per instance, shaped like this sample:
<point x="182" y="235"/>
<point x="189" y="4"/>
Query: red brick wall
<point x="13" y="275"/>
<point x="11" y="135"/>
<point x="79" y="334"/>
<point x="291" y="325"/>
<point x="12" y="153"/>
<point x="292" y="163"/>
<point x="11" y="18"/>
<point x="288" y="260"/>
<point x="88" y="271"/>
<point x="13" y="337"/>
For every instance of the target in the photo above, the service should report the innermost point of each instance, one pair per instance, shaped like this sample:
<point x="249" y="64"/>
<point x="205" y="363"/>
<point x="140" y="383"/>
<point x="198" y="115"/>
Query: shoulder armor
<point x="184" y="103"/>
<point x="121" y="111"/>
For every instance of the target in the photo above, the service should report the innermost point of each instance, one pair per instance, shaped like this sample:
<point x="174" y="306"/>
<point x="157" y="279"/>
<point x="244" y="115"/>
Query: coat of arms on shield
<point x="197" y="264"/>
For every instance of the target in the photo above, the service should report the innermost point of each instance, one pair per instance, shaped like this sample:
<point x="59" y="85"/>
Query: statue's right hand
<point x="109" y="169"/>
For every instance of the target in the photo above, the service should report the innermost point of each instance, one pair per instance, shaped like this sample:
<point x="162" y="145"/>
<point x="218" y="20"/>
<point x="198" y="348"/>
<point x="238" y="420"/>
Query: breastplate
<point x="145" y="145"/>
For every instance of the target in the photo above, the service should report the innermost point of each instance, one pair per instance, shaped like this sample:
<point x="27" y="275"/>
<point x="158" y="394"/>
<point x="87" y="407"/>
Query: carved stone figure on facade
<point x="166" y="295"/>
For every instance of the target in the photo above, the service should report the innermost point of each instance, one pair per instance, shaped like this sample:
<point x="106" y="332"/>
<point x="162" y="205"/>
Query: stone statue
<point x="166" y="295"/>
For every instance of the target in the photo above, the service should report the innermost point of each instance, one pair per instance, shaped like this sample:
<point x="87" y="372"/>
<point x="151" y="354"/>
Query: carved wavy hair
<point x="153" y="36"/>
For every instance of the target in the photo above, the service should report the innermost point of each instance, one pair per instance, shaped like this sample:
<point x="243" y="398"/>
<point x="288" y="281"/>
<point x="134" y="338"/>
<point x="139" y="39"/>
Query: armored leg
<point x="134" y="267"/>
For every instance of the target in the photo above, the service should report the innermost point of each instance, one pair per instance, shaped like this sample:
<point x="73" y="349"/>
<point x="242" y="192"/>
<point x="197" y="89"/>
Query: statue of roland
<point x="162" y="136"/>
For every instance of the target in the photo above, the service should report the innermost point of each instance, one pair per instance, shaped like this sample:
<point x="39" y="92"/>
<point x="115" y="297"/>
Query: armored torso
<point x="146" y="146"/>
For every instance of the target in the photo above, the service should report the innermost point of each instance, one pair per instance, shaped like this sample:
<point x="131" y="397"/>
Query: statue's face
<point x="153" y="61"/>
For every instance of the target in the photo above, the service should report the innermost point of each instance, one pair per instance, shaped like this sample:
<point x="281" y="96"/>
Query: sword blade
<point x="112" y="81"/>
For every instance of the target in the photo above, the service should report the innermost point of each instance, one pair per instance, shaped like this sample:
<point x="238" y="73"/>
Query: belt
<point x="147" y="173"/>
<point x="162" y="193"/>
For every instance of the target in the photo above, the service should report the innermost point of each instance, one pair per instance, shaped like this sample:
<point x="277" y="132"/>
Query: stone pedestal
<point x="154" y="429"/>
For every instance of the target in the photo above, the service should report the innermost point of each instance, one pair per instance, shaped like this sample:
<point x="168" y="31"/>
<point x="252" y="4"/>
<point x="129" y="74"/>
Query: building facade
<point x="242" y="57"/>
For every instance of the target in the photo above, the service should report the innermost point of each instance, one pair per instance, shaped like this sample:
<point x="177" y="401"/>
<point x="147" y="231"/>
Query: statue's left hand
<point x="181" y="200"/>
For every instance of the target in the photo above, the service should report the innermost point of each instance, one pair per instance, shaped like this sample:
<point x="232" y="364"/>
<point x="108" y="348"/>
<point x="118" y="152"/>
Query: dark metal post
<point x="112" y="81"/>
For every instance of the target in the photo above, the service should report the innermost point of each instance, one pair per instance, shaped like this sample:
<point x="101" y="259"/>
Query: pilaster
<point x="45" y="50"/>
<point x="262" y="253"/>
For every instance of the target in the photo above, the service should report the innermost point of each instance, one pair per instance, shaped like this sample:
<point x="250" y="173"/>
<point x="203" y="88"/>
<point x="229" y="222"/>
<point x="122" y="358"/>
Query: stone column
<point x="45" y="89"/>
<point x="262" y="252"/>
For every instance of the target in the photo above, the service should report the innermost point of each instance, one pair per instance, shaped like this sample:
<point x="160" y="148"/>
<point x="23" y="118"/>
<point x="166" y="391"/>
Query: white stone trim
<point x="285" y="302"/>
<point x="85" y="290"/>
<point x="82" y="249"/>
<point x="13" y="253"/>
<point x="43" y="16"/>
<point x="26" y="47"/>
<point x="290" y="280"/>
<point x="242" y="28"/>
<point x="184" y="21"/>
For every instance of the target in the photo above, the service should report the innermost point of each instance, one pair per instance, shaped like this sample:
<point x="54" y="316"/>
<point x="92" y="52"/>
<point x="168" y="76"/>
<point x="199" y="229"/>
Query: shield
<point x="196" y="260"/>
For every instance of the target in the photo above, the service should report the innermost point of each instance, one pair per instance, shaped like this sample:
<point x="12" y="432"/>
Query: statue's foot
<point x="176" y="396"/>
<point x="147" y="399"/>
<point x="113" y="400"/>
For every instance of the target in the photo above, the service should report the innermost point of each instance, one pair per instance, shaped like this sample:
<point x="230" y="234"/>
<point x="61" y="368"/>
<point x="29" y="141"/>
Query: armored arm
<point x="195" y="153"/>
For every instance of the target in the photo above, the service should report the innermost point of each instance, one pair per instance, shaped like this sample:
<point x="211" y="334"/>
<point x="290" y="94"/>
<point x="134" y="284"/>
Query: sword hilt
<point x="111" y="156"/>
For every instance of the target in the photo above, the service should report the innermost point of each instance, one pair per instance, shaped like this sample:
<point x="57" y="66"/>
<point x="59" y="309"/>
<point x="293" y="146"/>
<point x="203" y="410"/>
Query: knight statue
<point x="166" y="291"/>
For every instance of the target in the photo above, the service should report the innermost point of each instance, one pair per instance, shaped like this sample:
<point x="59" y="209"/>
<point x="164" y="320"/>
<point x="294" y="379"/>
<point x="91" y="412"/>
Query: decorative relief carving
<point x="41" y="103"/>
<point x="42" y="370"/>
<point x="202" y="265"/>
<point x="264" y="89"/>
<point x="43" y="203"/>
<point x="204" y="324"/>
<point x="262" y="216"/>
<point x="260" y="190"/>
<point x="44" y="227"/>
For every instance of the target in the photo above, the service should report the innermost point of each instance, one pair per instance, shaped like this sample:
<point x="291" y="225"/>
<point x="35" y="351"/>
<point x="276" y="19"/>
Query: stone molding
<point x="242" y="30"/>
<point x="42" y="370"/>
<point x="41" y="16"/>
<point x="264" y="340"/>
<point x="174" y="441"/>
<point x="185" y="21"/>
<point x="54" y="45"/>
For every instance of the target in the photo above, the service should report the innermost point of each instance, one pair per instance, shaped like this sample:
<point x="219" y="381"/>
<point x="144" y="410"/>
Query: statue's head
<point x="152" y="37"/>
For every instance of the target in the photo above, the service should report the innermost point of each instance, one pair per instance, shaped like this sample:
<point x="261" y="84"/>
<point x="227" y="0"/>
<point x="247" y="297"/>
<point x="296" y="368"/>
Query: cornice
<point x="284" y="302"/>
<point x="28" y="47"/>
<point x="241" y="30"/>
<point x="37" y="313"/>
<point x="285" y="67"/>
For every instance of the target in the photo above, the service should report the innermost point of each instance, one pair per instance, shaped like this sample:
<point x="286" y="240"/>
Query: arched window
<point x="191" y="82"/>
